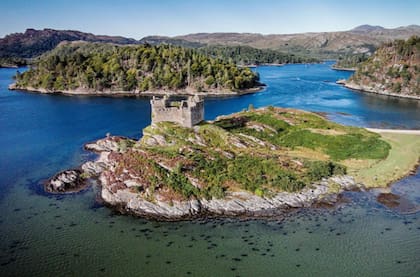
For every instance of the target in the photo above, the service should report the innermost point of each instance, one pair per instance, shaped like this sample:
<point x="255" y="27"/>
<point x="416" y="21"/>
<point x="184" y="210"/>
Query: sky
<point x="140" y="18"/>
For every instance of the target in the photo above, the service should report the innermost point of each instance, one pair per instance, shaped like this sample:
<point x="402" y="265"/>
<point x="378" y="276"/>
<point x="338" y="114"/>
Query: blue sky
<point x="165" y="17"/>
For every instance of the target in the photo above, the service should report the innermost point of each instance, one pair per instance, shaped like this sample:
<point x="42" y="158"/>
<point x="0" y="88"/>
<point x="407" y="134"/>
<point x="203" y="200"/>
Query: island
<point x="394" y="70"/>
<point x="105" y="69"/>
<point x="255" y="163"/>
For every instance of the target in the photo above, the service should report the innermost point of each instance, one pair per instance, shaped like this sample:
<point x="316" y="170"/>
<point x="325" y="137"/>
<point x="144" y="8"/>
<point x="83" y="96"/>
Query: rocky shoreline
<point x="376" y="90"/>
<point x="125" y="199"/>
<point x="352" y="69"/>
<point x="83" y="92"/>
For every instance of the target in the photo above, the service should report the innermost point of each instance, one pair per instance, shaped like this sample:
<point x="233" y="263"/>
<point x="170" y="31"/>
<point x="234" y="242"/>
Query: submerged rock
<point x="66" y="181"/>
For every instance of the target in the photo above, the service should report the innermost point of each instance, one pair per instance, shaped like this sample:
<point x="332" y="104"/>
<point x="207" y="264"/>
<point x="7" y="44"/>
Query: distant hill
<point x="393" y="69"/>
<point x="33" y="42"/>
<point x="367" y="28"/>
<point x="362" y="39"/>
<point x="156" y="40"/>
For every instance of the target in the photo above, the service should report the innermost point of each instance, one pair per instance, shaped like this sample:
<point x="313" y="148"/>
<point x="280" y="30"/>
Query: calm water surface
<point x="41" y="234"/>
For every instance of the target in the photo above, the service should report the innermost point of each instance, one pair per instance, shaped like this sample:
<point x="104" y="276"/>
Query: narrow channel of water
<point x="41" y="234"/>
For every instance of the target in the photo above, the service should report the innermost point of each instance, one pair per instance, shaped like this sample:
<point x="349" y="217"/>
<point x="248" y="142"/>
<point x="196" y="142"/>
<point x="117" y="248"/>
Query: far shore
<point x="136" y="93"/>
<point x="343" y="68"/>
<point x="394" y="131"/>
<point x="367" y="89"/>
<point x="9" y="66"/>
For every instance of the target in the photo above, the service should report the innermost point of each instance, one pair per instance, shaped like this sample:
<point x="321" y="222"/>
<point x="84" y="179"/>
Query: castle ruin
<point x="187" y="112"/>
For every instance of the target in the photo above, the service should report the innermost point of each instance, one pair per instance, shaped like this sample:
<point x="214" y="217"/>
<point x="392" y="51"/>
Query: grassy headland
<point x="263" y="151"/>
<point x="403" y="156"/>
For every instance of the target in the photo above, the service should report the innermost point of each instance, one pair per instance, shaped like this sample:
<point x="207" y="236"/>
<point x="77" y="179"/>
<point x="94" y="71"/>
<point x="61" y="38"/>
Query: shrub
<point x="214" y="191"/>
<point x="321" y="169"/>
<point x="180" y="183"/>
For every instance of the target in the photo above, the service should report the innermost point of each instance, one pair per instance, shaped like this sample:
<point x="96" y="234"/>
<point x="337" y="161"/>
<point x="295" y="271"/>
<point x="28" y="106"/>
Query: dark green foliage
<point x="246" y="55"/>
<point x="323" y="169"/>
<point x="339" y="147"/>
<point x="250" y="172"/>
<point x="102" y="67"/>
<point x="177" y="181"/>
<point x="231" y="123"/>
<point x="215" y="191"/>
<point x="350" y="60"/>
<point x="357" y="144"/>
<point x="12" y="61"/>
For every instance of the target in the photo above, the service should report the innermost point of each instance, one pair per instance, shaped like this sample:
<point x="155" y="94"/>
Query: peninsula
<point x="106" y="69"/>
<point x="393" y="70"/>
<point x="258" y="162"/>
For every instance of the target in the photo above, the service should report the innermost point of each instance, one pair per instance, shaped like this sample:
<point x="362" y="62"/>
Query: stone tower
<point x="187" y="112"/>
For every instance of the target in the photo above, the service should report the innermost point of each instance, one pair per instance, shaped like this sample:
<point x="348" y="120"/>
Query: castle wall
<point x="187" y="114"/>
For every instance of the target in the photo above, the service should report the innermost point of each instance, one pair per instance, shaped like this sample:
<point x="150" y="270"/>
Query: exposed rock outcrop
<point x="240" y="203"/>
<point x="393" y="70"/>
<point x="66" y="181"/>
<point x="124" y="197"/>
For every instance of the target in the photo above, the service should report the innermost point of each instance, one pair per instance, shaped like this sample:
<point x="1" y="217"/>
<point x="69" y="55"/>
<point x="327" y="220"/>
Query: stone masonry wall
<point x="187" y="113"/>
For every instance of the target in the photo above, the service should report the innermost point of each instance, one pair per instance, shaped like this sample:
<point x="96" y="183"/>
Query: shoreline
<point x="395" y="131"/>
<point x="365" y="89"/>
<point x="402" y="161"/>
<point x="212" y="93"/>
<point x="236" y="204"/>
<point x="352" y="69"/>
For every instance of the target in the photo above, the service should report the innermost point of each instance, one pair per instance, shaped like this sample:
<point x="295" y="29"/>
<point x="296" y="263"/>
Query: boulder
<point x="66" y="181"/>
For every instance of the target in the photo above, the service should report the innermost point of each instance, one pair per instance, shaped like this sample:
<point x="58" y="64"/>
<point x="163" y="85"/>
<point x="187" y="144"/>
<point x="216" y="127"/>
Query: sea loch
<point x="73" y="234"/>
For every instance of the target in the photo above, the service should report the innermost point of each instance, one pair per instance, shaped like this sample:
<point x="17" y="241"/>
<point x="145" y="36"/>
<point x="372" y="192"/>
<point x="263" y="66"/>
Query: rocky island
<point x="393" y="70"/>
<point x="106" y="69"/>
<point x="258" y="162"/>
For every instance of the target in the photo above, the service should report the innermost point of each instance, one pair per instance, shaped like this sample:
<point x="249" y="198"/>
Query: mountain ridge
<point x="361" y="39"/>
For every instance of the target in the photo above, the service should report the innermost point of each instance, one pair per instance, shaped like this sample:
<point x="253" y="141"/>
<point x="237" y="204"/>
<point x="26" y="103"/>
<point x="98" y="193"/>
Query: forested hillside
<point x="246" y="55"/>
<point x="394" y="68"/>
<point x="95" y="67"/>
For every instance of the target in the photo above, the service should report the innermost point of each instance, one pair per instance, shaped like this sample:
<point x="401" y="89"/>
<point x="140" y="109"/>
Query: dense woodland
<point x="350" y="61"/>
<point x="106" y="67"/>
<point x="246" y="55"/>
<point x="12" y="62"/>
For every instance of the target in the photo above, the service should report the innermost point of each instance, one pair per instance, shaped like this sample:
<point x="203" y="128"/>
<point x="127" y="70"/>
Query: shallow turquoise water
<point x="49" y="235"/>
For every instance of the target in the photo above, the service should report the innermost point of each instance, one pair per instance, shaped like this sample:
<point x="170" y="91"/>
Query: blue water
<point x="70" y="235"/>
<point x="312" y="87"/>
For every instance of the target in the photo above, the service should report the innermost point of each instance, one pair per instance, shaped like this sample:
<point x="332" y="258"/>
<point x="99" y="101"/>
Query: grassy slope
<point x="264" y="151"/>
<point x="261" y="151"/>
<point x="403" y="156"/>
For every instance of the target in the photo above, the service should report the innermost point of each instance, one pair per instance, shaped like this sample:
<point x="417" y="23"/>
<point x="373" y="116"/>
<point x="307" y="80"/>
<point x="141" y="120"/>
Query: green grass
<point x="403" y="156"/>
<point x="334" y="150"/>
<point x="354" y="143"/>
<point x="339" y="147"/>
